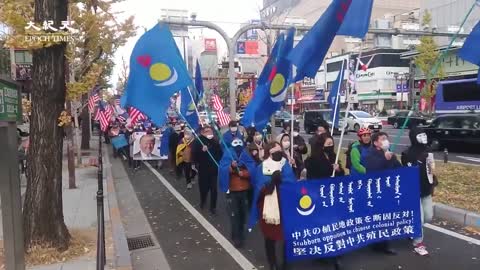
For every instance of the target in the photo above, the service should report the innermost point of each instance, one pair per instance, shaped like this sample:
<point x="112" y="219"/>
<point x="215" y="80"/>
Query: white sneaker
<point x="189" y="186"/>
<point x="420" y="249"/>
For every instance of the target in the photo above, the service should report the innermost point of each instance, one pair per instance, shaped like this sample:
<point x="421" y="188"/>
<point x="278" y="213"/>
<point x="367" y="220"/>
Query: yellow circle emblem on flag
<point x="160" y="72"/>
<point x="277" y="85"/>
<point x="305" y="202"/>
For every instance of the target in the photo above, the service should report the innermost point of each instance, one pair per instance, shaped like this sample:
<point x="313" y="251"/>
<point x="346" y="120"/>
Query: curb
<point x="122" y="259"/>
<point x="457" y="215"/>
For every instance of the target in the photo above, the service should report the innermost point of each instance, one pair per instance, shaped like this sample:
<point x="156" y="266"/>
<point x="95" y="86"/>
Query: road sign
<point x="10" y="108"/>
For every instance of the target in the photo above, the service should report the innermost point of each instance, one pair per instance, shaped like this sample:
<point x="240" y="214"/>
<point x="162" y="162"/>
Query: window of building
<point x="23" y="57"/>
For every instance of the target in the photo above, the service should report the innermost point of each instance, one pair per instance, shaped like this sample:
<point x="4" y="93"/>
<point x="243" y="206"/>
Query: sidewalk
<point x="80" y="213"/>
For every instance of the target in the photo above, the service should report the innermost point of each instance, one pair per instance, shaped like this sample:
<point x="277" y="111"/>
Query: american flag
<point x="102" y="117"/>
<point x="93" y="99"/>
<point x="121" y="118"/>
<point x="135" y="115"/>
<point x="223" y="118"/>
<point x="117" y="101"/>
<point x="109" y="112"/>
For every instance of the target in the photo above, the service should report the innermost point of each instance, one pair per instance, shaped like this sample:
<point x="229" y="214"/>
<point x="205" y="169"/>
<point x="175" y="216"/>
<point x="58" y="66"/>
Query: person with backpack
<point x="355" y="150"/>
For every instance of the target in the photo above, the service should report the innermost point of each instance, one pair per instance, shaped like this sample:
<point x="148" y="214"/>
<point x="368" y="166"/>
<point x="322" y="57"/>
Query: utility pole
<point x="411" y="92"/>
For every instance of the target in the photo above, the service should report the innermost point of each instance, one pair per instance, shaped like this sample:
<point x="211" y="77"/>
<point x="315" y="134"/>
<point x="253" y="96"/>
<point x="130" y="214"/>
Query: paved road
<point x="469" y="156"/>
<point x="187" y="243"/>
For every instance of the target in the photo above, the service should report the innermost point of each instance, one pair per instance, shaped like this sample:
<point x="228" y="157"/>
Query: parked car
<point x="358" y="119"/>
<point x="415" y="119"/>
<point x="284" y="116"/>
<point x="312" y="120"/>
<point x="453" y="130"/>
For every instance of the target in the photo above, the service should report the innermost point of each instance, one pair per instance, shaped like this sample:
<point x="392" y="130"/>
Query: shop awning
<point x="304" y="99"/>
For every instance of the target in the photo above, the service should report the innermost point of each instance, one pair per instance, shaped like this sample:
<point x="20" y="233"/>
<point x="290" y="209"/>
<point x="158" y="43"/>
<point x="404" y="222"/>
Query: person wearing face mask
<point x="321" y="162"/>
<point x="274" y="170"/>
<point x="299" y="149"/>
<point x="232" y="133"/>
<point x="419" y="154"/>
<point x="259" y="143"/>
<point x="184" y="157"/>
<point x="296" y="160"/>
<point x="235" y="169"/>
<point x="205" y="155"/>
<point x="356" y="149"/>
<point x="377" y="158"/>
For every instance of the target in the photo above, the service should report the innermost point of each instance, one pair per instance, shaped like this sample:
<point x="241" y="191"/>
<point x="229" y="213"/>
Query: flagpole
<point x="349" y="103"/>
<point x="197" y="137"/>
<point x="291" y="122"/>
<point x="195" y="105"/>
<point x="342" y="74"/>
<point x="90" y="122"/>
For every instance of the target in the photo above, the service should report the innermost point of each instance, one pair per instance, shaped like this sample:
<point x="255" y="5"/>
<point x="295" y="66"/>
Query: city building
<point x="454" y="67"/>
<point x="447" y="15"/>
<point x="381" y="84"/>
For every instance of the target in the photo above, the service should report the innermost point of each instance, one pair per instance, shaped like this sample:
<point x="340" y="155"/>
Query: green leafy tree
<point x="426" y="59"/>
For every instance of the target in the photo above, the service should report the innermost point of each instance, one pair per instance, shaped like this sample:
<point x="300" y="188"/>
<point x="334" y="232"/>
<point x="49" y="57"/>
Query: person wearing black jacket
<point x="377" y="158"/>
<point x="207" y="169"/>
<point x="419" y="154"/>
<point x="173" y="142"/>
<point x="321" y="164"/>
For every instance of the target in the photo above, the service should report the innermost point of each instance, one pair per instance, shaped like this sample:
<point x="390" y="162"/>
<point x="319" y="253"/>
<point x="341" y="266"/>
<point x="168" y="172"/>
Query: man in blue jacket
<point x="378" y="158"/>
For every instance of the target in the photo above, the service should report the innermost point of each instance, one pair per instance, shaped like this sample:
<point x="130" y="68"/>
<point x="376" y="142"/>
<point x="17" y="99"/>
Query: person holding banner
<point x="356" y="149"/>
<point x="207" y="168"/>
<point x="323" y="127"/>
<point x="321" y="162"/>
<point x="379" y="158"/>
<point x="419" y="154"/>
<point x="270" y="174"/>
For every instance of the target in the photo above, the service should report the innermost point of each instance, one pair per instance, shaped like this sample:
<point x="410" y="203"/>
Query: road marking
<point x="229" y="248"/>
<point x="470" y="158"/>
<point x="453" y="234"/>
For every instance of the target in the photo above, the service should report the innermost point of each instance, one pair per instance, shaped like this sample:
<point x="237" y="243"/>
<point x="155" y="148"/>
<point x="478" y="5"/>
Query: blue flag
<point x="270" y="97"/>
<point x="333" y="216"/>
<point x="334" y="95"/>
<point x="157" y="71"/>
<point x="188" y="107"/>
<point x="267" y="69"/>
<point x="198" y="81"/>
<point x="308" y="55"/>
<point x="357" y="19"/>
<point x="471" y="48"/>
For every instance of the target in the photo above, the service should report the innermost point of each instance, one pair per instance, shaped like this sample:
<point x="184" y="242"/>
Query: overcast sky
<point x="226" y="13"/>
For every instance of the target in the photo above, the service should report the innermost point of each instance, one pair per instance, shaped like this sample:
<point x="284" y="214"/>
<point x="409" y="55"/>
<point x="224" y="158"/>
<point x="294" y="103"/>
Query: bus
<point x="458" y="96"/>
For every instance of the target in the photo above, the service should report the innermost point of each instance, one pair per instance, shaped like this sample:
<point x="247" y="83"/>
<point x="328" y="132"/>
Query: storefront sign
<point x="10" y="110"/>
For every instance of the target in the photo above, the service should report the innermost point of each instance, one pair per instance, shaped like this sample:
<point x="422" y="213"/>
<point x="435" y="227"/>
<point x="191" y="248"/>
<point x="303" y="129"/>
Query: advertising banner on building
<point x="241" y="47"/>
<point x="23" y="72"/>
<point x="210" y="45"/>
<point x="333" y="216"/>
<point x="251" y="47"/>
